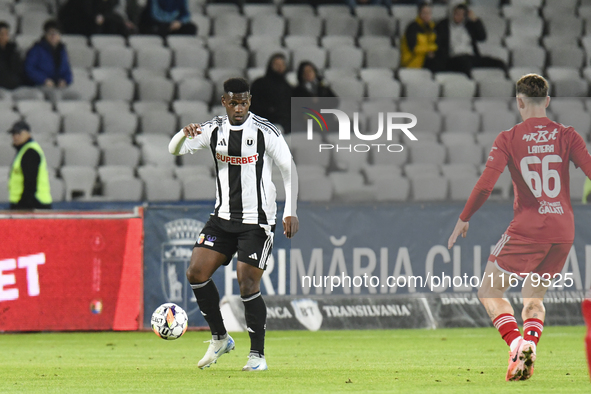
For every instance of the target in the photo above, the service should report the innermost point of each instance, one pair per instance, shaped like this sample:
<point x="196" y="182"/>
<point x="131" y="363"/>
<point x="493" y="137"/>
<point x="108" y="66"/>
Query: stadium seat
<point x="462" y="121"/>
<point x="255" y="42"/>
<point x="423" y="89"/>
<point x="381" y="57"/>
<point x="566" y="56"/>
<point x="193" y="171"/>
<point x="317" y="190"/>
<point x="379" y="26"/>
<point x="495" y="51"/>
<point x="103" y="106"/>
<point x="516" y="42"/>
<point x="81" y="122"/>
<point x="488" y="104"/>
<point x="348" y="187"/>
<point x="452" y="171"/>
<point x="230" y="25"/>
<point x="328" y="10"/>
<point x="7" y="154"/>
<point x="113" y="139"/>
<point x="53" y="155"/>
<point x="112" y="172"/>
<point x="348" y="88"/>
<point x="32" y="21"/>
<point x="195" y="89"/>
<point x="145" y="41"/>
<point x="265" y="24"/>
<point x="27" y="93"/>
<point x="144" y="107"/>
<point x="116" y="56"/>
<point x="517" y="72"/>
<point x="178" y="74"/>
<point x="252" y="10"/>
<point x="254" y="73"/>
<point x="199" y="188"/>
<point x="57" y="189"/>
<point x="366" y="42"/>
<point x="486" y="138"/>
<point x="204" y="25"/>
<point x="28" y="106"/>
<point x="297" y="41"/>
<point x="304" y="26"/>
<point x="384" y="88"/>
<point x="576" y="87"/>
<point x="138" y="74"/>
<point x="260" y="57"/>
<point x="429" y="188"/>
<point x="81" y="56"/>
<point x="530" y="56"/>
<point x="163" y="189"/>
<point x="120" y="122"/>
<point x="314" y="54"/>
<point x="66" y="107"/>
<point x="155" y="89"/>
<point x="580" y="120"/>
<point x="336" y="42"/>
<point x="428" y="121"/>
<point x="121" y="155"/>
<point x="190" y="106"/>
<point x="345" y="57"/>
<point x="123" y="189"/>
<point x="446" y="105"/>
<point x="81" y="155"/>
<point x="74" y="139"/>
<point x="460" y="188"/>
<point x="564" y="25"/>
<point x="465" y="154"/>
<point x="43" y="122"/>
<point x="375" y="74"/>
<point x="289" y="10"/>
<point x="217" y="9"/>
<point x="101" y="74"/>
<point x="154" y="58"/>
<point x="495" y="88"/>
<point x="379" y="172"/>
<point x="454" y="138"/>
<point x="101" y="41"/>
<point x="497" y="120"/>
<point x="182" y="41"/>
<point x="427" y="152"/>
<point x="458" y="88"/>
<point x="236" y="56"/>
<point x="79" y="181"/>
<point x="158" y="123"/>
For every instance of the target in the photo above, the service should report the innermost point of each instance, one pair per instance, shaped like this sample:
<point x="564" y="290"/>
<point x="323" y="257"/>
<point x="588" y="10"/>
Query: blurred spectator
<point x="457" y="37"/>
<point x="310" y="83"/>
<point x="271" y="94"/>
<point x="11" y="64"/>
<point x="47" y="61"/>
<point x="418" y="44"/>
<point x="28" y="183"/>
<point x="89" y="17"/>
<point x="164" y="17"/>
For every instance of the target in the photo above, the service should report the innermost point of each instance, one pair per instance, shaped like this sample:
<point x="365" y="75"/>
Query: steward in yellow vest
<point x="418" y="45"/>
<point x="28" y="185"/>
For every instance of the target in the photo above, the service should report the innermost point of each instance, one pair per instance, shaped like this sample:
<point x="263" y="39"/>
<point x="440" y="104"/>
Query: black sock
<point x="208" y="300"/>
<point x="255" y="312"/>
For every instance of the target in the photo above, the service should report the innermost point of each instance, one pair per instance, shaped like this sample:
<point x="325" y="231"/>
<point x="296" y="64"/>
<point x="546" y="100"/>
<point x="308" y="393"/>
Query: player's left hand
<point x="291" y="225"/>
<point x="461" y="228"/>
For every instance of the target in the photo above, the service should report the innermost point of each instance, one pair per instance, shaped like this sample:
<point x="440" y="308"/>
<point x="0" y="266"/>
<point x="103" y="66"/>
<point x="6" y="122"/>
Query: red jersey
<point x="538" y="152"/>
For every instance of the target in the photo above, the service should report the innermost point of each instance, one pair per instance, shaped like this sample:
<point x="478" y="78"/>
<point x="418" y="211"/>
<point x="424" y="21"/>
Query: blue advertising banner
<point x="354" y="249"/>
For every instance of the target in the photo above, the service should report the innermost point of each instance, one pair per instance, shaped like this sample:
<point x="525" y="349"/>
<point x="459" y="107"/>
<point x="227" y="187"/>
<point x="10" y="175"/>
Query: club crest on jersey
<point x="540" y="136"/>
<point x="201" y="238"/>
<point x="250" y="141"/>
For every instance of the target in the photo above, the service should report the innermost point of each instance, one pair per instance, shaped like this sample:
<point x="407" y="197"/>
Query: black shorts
<point x="252" y="241"/>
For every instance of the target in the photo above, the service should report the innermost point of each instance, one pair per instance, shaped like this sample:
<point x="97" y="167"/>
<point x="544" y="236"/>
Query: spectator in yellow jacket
<point x="418" y="44"/>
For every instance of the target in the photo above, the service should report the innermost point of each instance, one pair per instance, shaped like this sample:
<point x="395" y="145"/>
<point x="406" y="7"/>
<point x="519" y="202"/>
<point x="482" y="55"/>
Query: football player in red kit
<point x="536" y="244"/>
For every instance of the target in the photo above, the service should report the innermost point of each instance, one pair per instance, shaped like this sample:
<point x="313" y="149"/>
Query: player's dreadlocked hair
<point x="236" y="85"/>
<point x="533" y="86"/>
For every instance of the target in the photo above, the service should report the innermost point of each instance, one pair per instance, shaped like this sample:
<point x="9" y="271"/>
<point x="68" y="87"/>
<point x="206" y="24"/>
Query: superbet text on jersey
<point x="537" y="152"/>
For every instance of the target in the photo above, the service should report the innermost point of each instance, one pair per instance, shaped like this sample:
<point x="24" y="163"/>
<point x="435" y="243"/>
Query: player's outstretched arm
<point x="291" y="225"/>
<point x="460" y="229"/>
<point x="190" y="131"/>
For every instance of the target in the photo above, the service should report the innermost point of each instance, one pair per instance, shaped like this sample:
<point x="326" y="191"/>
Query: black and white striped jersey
<point x="244" y="157"/>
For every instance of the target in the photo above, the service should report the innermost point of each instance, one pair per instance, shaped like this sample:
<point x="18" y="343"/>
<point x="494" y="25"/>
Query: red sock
<point x="532" y="330"/>
<point x="507" y="326"/>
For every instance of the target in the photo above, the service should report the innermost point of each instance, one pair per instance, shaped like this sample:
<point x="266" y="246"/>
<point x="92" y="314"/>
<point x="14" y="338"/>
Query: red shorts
<point x="515" y="256"/>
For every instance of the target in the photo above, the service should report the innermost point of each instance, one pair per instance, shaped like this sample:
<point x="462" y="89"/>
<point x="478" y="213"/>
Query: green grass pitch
<point x="403" y="361"/>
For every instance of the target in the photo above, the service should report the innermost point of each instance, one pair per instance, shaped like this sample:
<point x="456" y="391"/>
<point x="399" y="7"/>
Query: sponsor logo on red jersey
<point x="550" y="207"/>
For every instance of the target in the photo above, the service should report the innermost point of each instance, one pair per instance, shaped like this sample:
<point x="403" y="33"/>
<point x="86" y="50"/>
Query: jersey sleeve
<point x="498" y="156"/>
<point x="190" y="145"/>
<point x="281" y="155"/>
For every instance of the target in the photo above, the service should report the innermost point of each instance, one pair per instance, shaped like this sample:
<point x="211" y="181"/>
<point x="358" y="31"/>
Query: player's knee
<point x="248" y="286"/>
<point x="195" y="275"/>
<point x="483" y="293"/>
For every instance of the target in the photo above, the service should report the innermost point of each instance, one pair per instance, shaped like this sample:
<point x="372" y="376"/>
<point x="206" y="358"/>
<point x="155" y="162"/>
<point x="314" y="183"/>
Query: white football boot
<point x="217" y="347"/>
<point x="255" y="363"/>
